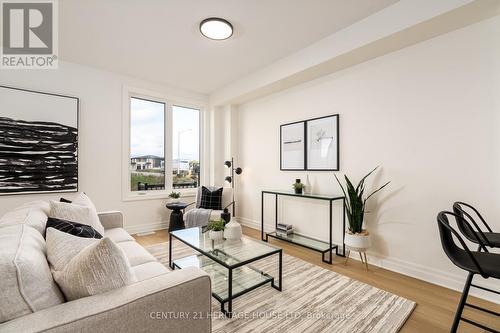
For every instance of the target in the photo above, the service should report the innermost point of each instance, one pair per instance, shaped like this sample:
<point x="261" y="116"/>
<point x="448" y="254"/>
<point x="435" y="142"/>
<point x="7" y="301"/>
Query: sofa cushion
<point x="135" y="253"/>
<point x="118" y="235"/>
<point x="26" y="283"/>
<point x="98" y="268"/>
<point x="149" y="270"/>
<point x="62" y="247"/>
<point x="32" y="213"/>
<point x="76" y="213"/>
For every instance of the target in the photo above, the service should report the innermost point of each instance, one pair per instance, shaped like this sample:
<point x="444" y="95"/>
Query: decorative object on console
<point x="284" y="230"/>
<point x="357" y="238"/>
<point x="322" y="137"/>
<point x="230" y="179"/>
<point x="174" y="196"/>
<point x="308" y="187"/>
<point x="215" y="230"/>
<point x="42" y="142"/>
<point x="292" y="146"/>
<point x="298" y="186"/>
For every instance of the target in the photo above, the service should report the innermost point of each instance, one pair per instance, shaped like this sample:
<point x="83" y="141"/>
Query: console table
<point x="308" y="242"/>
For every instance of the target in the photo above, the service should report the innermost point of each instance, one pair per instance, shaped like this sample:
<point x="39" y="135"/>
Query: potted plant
<point x="215" y="229"/>
<point x="174" y="196"/>
<point x="356" y="237"/>
<point x="298" y="186"/>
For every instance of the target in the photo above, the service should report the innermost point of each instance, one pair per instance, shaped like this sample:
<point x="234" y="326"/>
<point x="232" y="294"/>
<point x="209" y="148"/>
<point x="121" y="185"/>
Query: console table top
<point x="330" y="197"/>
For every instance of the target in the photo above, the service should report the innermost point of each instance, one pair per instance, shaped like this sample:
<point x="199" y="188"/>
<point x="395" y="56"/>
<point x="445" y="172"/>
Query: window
<point x="186" y="147"/>
<point x="162" y="145"/>
<point x="147" y="145"/>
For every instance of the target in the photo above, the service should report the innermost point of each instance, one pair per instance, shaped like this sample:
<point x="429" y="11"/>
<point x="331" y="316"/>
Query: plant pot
<point x="216" y="235"/>
<point x="298" y="191"/>
<point x="359" y="241"/>
<point x="175" y="200"/>
<point x="232" y="230"/>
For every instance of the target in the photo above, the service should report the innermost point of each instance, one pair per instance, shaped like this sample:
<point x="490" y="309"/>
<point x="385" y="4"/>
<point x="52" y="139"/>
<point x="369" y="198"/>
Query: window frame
<point x="169" y="101"/>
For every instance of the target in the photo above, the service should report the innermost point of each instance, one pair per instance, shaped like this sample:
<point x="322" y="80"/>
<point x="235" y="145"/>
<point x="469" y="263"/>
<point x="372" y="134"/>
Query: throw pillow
<point x="62" y="247"/>
<point x="98" y="268"/>
<point x="73" y="228"/>
<point x="211" y="199"/>
<point x="76" y="213"/>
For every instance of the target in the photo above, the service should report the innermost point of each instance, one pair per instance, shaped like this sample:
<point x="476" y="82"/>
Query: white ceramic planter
<point x="357" y="242"/>
<point x="232" y="230"/>
<point x="175" y="200"/>
<point x="216" y="235"/>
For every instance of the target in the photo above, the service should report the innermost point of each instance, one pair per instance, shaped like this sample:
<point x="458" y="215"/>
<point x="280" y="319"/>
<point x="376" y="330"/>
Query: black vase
<point x="226" y="216"/>
<point x="298" y="191"/>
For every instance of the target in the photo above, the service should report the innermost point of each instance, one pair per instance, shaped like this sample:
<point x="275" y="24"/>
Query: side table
<point x="176" y="217"/>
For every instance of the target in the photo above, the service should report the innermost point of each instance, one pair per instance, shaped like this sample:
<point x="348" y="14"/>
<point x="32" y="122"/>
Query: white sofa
<point x="152" y="304"/>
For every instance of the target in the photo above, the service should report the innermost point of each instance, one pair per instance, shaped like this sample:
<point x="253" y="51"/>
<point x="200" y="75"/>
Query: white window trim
<point x="170" y="101"/>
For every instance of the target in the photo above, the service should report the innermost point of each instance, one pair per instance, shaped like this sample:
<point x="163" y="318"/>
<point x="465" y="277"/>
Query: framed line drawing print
<point x="292" y="146"/>
<point x="322" y="143"/>
<point x="38" y="142"/>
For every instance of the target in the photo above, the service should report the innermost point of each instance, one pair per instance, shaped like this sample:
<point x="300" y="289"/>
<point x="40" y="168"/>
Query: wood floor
<point x="435" y="305"/>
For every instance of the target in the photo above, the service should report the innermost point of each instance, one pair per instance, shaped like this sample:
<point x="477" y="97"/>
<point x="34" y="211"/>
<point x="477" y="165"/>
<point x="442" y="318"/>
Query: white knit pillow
<point x="98" y="268"/>
<point x="76" y="213"/>
<point x="62" y="247"/>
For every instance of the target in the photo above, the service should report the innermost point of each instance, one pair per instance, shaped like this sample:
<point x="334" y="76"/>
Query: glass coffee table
<point x="228" y="263"/>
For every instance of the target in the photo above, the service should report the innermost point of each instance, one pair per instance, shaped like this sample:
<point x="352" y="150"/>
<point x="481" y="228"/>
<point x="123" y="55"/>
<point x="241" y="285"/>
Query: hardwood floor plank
<point x="436" y="305"/>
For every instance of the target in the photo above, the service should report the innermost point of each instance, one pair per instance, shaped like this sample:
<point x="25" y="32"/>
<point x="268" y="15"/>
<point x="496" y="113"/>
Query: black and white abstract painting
<point x="293" y="145"/>
<point x="38" y="142"/>
<point x="323" y="143"/>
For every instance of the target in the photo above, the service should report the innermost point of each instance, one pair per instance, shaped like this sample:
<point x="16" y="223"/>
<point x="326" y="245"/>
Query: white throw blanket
<point x="197" y="217"/>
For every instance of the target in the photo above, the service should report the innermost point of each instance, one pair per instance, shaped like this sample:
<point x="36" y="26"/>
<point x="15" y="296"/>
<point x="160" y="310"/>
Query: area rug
<point x="313" y="300"/>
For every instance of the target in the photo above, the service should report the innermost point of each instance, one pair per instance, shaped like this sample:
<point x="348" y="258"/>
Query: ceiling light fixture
<point x="216" y="28"/>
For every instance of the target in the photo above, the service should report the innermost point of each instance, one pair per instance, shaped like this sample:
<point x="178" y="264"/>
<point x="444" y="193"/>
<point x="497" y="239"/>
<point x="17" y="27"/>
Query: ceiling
<point x="159" y="40"/>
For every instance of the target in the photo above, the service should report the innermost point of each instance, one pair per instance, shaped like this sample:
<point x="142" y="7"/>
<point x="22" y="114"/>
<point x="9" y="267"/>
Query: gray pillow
<point x="98" y="268"/>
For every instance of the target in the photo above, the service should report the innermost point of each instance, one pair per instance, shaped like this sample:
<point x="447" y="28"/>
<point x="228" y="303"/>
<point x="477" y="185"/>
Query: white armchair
<point x="199" y="217"/>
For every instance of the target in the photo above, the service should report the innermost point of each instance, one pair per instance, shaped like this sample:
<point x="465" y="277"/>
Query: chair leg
<point x="461" y="304"/>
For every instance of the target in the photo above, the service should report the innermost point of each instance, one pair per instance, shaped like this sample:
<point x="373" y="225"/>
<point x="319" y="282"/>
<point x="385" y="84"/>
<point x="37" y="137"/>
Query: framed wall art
<point x="322" y="143"/>
<point x="292" y="146"/>
<point x="38" y="142"/>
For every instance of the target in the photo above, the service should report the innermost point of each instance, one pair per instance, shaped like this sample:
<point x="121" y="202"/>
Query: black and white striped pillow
<point x="73" y="228"/>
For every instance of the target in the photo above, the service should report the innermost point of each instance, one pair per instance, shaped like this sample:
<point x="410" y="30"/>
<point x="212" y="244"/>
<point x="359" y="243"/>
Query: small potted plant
<point x="174" y="196"/>
<point x="356" y="237"/>
<point x="215" y="229"/>
<point x="298" y="186"/>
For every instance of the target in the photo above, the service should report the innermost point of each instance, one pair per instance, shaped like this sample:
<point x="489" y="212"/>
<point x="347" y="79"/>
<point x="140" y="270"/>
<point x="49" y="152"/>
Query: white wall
<point x="100" y="136"/>
<point x="427" y="114"/>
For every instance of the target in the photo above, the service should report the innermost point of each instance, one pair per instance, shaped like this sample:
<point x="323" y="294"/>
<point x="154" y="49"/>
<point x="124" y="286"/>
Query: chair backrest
<point x="460" y="256"/>
<point x="466" y="228"/>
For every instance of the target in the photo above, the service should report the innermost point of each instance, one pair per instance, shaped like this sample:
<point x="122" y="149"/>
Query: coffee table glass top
<point x="229" y="253"/>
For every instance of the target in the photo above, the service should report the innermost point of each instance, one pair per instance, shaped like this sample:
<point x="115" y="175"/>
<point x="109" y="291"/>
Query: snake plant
<point x="355" y="203"/>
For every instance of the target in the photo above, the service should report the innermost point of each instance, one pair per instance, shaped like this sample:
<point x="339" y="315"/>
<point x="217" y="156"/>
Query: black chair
<point x="488" y="237"/>
<point x="484" y="263"/>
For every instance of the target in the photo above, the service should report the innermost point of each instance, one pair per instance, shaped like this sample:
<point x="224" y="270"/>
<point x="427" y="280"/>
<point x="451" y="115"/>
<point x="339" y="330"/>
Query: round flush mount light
<point x="216" y="28"/>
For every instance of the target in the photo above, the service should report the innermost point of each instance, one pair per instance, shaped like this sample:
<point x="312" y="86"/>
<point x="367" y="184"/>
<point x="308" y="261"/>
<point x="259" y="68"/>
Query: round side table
<point x="176" y="217"/>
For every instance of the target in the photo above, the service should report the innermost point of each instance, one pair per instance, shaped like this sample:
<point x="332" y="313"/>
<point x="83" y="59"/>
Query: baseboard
<point x="428" y="274"/>
<point x="135" y="229"/>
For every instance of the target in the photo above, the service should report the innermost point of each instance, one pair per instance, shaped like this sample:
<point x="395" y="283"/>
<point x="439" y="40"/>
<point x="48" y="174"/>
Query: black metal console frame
<point x="265" y="235"/>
